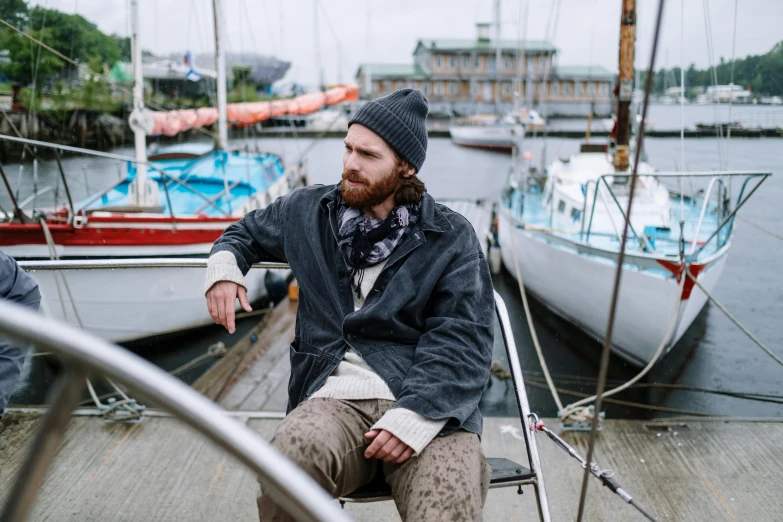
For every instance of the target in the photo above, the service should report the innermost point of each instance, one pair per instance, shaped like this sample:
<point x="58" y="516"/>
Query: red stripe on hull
<point x="676" y="270"/>
<point x="66" y="235"/>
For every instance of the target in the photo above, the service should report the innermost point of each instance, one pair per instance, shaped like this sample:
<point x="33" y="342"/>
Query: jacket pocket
<point x="305" y="368"/>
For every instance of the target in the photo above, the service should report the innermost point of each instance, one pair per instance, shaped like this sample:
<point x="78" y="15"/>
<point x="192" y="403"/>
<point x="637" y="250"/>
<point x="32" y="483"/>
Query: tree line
<point x="762" y="74"/>
<point x="70" y="34"/>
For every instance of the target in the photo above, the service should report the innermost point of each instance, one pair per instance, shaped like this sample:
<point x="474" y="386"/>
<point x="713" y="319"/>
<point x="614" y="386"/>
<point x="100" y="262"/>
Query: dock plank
<point x="160" y="470"/>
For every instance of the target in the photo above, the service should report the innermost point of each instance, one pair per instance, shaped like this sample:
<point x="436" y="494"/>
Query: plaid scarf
<point x="366" y="242"/>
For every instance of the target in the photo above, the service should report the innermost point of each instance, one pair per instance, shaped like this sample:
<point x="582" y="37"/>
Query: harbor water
<point x="714" y="355"/>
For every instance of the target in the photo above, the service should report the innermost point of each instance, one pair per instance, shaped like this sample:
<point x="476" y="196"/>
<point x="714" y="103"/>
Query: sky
<point x="355" y="31"/>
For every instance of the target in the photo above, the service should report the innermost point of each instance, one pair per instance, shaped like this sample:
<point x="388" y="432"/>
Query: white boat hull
<point x="578" y="286"/>
<point x="498" y="137"/>
<point x="132" y="303"/>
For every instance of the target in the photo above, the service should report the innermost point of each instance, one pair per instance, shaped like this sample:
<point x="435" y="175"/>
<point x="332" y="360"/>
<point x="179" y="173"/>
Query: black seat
<point x="505" y="473"/>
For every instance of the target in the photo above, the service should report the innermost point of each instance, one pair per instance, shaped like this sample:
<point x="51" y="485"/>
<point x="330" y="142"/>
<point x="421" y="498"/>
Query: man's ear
<point x="409" y="173"/>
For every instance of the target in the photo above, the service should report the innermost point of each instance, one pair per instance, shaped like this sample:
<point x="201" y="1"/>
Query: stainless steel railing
<point x="85" y="354"/>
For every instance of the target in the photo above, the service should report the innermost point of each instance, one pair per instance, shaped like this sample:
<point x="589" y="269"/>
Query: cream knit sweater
<point x="353" y="379"/>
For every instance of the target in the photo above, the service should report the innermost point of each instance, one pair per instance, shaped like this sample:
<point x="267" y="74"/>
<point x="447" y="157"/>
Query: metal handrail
<point x="109" y="155"/>
<point x="84" y="353"/>
<point x="711" y="174"/>
<point x="704" y="210"/>
<point x="153" y="262"/>
<point x="524" y="407"/>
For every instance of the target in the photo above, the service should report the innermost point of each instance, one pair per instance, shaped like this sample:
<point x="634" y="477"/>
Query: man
<point x="16" y="286"/>
<point x="394" y="326"/>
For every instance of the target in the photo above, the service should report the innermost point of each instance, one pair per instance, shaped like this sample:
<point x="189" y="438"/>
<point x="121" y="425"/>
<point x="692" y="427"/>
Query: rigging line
<point x="736" y="322"/>
<point x="553" y="19"/>
<point x="630" y="404"/>
<point x="254" y="43"/>
<point x="759" y="397"/>
<point x="265" y="7"/>
<point x="70" y="53"/>
<point x="756" y="225"/>
<point x="772" y="399"/>
<point x="148" y="102"/>
<point x="336" y="39"/>
<point x="682" y="109"/>
<point x="711" y="57"/>
<point x="38" y="59"/>
<point x="619" y="271"/>
<point x="731" y="82"/>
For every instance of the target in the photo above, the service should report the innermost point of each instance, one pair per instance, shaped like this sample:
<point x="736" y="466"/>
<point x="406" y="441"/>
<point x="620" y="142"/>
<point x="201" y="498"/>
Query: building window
<point x="398" y="85"/>
<point x="506" y="88"/>
<point x="591" y="89"/>
<point x="438" y="62"/>
<point x="555" y="88"/>
<point x="473" y="88"/>
<point x="507" y="63"/>
<point x="453" y="88"/>
<point x="439" y="88"/>
<point x="466" y="61"/>
<point x="567" y="89"/>
<point x="561" y="206"/>
<point x="604" y="89"/>
<point x="477" y="62"/>
<point x="426" y="88"/>
<point x="452" y="62"/>
<point x="580" y="89"/>
<point x="387" y="85"/>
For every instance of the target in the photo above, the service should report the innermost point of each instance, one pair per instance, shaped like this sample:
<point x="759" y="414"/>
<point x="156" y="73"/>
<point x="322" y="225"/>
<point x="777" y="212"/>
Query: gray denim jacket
<point x="426" y="327"/>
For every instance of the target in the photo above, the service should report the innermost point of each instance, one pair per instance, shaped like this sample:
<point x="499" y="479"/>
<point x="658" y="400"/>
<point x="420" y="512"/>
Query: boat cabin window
<point x="575" y="213"/>
<point x="561" y="206"/>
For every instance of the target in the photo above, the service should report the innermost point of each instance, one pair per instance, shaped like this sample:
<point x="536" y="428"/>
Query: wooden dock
<point x="160" y="470"/>
<point x="710" y="470"/>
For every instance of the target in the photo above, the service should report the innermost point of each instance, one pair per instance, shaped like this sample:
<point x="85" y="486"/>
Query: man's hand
<point x="221" y="299"/>
<point x="387" y="447"/>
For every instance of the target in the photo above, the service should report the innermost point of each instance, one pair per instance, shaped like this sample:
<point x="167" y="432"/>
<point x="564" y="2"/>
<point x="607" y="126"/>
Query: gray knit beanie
<point x="399" y="118"/>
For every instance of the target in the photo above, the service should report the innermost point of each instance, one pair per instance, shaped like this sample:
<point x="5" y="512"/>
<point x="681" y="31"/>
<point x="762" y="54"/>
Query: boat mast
<point x="141" y="196"/>
<point x="220" y="65"/>
<point x="625" y="84"/>
<point x="498" y="53"/>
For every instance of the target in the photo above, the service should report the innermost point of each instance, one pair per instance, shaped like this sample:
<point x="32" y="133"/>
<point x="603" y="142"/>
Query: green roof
<point x="396" y="70"/>
<point x="472" y="44"/>
<point x="595" y="72"/>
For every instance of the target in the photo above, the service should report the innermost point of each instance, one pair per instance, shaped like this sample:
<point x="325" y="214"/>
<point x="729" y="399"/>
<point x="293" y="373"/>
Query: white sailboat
<point x="562" y="234"/>
<point x="176" y="207"/>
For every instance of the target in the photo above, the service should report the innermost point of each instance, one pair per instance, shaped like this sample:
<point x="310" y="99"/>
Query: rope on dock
<point x="735" y="321"/>
<point x="756" y="225"/>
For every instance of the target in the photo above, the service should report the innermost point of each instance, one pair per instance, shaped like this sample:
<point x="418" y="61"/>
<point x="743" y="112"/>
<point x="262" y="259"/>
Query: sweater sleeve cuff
<point x="222" y="266"/>
<point x="411" y="428"/>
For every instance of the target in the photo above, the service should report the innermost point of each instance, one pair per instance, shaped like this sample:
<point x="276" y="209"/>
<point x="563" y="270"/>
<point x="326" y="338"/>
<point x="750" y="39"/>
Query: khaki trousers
<point x="448" y="481"/>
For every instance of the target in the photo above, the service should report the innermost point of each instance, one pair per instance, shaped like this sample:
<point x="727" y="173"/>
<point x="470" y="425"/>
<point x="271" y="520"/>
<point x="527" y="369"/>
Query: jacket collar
<point x="430" y="218"/>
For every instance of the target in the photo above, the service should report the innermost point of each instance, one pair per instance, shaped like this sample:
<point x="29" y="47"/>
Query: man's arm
<point x="259" y="236"/>
<point x="453" y="357"/>
<point x="18" y="287"/>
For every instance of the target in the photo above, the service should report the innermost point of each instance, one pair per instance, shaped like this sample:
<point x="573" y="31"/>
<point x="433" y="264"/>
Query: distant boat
<point x="487" y="131"/>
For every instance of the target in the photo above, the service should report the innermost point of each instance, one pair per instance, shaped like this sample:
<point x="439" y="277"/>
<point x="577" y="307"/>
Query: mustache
<point x="349" y="175"/>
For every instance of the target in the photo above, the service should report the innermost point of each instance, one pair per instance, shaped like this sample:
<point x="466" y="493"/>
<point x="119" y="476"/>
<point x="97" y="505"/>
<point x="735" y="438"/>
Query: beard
<point x="370" y="193"/>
